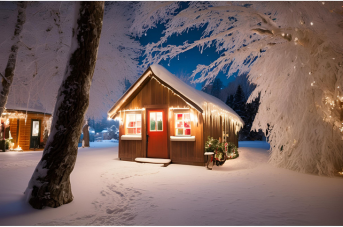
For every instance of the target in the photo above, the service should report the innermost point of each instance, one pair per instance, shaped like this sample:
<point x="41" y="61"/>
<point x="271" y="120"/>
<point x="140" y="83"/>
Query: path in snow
<point x="245" y="191"/>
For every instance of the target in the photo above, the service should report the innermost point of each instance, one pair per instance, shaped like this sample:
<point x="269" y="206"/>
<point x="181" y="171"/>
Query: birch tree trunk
<point x="12" y="59"/>
<point x="50" y="182"/>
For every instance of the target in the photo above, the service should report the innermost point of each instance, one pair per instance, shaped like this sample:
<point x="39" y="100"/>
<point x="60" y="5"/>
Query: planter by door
<point x="35" y="134"/>
<point x="157" y="134"/>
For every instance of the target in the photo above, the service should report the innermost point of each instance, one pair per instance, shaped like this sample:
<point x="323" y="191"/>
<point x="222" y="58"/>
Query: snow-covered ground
<point x="245" y="191"/>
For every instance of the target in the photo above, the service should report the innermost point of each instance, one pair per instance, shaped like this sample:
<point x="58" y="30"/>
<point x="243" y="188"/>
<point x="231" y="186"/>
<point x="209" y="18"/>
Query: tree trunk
<point x="50" y="182"/>
<point x="85" y="131"/>
<point x="12" y="59"/>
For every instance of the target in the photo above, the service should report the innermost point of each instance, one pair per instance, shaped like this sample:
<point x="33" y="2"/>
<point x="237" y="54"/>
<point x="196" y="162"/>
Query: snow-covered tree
<point x="45" y="43"/>
<point x="8" y="74"/>
<point x="229" y="100"/>
<point x="50" y="182"/>
<point x="251" y="110"/>
<point x="231" y="88"/>
<point x="239" y="102"/>
<point x="293" y="52"/>
<point x="43" y="54"/>
<point x="216" y="87"/>
<point x="117" y="64"/>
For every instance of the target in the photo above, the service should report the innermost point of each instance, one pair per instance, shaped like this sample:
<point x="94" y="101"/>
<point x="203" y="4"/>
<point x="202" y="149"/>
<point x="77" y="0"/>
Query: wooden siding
<point x="21" y="135"/>
<point x="155" y="95"/>
<point x="152" y="95"/>
<point x="216" y="126"/>
<point x="190" y="152"/>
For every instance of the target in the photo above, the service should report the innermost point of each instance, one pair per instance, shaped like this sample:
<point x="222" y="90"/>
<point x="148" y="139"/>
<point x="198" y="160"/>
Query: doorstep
<point x="163" y="161"/>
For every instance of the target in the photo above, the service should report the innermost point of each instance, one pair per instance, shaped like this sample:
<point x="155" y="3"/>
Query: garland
<point x="222" y="151"/>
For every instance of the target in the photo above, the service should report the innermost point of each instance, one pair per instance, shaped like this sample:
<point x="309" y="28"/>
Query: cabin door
<point x="157" y="134"/>
<point x="35" y="134"/>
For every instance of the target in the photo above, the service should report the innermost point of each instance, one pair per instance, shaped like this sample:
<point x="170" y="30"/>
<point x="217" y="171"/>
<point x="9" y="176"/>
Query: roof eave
<point x="113" y="111"/>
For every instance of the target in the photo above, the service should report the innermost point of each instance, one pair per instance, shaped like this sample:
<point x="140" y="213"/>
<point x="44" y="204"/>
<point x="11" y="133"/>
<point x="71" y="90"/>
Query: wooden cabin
<point x="163" y="117"/>
<point x="26" y="128"/>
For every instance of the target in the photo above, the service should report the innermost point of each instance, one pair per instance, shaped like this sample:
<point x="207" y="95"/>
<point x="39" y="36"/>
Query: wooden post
<point x="85" y="131"/>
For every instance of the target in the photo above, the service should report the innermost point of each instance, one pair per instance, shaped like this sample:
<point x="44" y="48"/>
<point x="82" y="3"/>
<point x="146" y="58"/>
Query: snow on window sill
<point x="131" y="137"/>
<point x="182" y="138"/>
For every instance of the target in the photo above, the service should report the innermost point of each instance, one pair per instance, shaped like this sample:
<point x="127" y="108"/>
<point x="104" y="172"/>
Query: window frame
<point x="136" y="127"/>
<point x="183" y="124"/>
<point x="156" y="122"/>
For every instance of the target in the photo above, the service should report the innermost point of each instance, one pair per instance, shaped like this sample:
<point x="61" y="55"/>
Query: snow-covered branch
<point x="293" y="53"/>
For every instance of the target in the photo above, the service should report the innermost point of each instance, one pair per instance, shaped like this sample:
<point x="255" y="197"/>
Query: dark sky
<point x="186" y="62"/>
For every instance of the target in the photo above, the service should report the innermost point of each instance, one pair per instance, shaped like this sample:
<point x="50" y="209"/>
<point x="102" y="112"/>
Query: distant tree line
<point x="104" y="124"/>
<point x="237" y="101"/>
<point x="247" y="111"/>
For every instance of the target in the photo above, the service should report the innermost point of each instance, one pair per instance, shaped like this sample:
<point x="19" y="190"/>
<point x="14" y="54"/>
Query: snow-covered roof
<point x="38" y="109"/>
<point x="199" y="98"/>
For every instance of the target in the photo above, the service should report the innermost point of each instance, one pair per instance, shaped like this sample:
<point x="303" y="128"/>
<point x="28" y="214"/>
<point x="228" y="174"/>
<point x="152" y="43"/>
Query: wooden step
<point x="163" y="161"/>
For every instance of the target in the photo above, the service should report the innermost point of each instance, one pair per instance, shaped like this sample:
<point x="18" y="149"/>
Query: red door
<point x="157" y="134"/>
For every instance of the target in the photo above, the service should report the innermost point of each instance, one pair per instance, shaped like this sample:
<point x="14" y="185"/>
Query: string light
<point x="311" y="23"/>
<point x="221" y="112"/>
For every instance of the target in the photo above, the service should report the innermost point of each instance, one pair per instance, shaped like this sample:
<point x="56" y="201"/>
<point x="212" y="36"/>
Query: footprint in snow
<point x="115" y="211"/>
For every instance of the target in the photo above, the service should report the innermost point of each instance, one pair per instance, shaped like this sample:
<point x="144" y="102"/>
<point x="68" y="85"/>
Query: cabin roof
<point x="195" y="98"/>
<point x="20" y="108"/>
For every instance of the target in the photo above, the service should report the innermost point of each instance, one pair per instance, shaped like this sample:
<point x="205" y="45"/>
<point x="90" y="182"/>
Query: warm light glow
<point x="311" y="23"/>
<point x="18" y="148"/>
<point x="172" y="108"/>
<point x="133" y="110"/>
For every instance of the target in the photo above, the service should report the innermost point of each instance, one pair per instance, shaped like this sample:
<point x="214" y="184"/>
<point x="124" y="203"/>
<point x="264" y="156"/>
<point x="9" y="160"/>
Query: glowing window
<point x="35" y="128"/>
<point x="156" y="121"/>
<point x="182" y="124"/>
<point x="133" y="123"/>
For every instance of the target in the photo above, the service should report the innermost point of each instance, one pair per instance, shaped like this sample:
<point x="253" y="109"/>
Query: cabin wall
<point x="190" y="152"/>
<point x="14" y="129"/>
<point x="21" y="135"/>
<point x="128" y="150"/>
<point x="155" y="95"/>
<point x="217" y="126"/>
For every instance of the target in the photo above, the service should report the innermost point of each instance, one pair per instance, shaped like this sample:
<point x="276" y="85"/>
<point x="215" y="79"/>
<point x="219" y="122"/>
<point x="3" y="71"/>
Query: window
<point x="182" y="124"/>
<point x="133" y="123"/>
<point x="35" y="128"/>
<point x="156" y="121"/>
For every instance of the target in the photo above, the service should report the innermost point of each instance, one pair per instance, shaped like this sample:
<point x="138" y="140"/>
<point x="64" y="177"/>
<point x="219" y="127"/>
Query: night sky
<point x="186" y="62"/>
